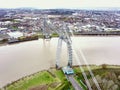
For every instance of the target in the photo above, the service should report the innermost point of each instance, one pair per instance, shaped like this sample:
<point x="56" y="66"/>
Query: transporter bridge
<point x="62" y="30"/>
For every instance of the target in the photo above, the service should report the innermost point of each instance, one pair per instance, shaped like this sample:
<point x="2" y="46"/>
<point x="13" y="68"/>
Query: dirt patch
<point x="41" y="87"/>
<point x="55" y="84"/>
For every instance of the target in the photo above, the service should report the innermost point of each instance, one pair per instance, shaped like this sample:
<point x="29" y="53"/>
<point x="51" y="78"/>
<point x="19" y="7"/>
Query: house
<point x="4" y="37"/>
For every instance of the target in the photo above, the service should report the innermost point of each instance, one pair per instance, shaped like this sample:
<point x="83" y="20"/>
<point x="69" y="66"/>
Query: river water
<point x="21" y="59"/>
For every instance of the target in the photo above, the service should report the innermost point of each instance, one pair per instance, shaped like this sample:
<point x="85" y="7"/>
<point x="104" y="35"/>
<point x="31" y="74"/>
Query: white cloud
<point x="59" y="3"/>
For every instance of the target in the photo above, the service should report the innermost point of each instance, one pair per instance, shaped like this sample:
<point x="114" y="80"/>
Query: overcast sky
<point x="43" y="4"/>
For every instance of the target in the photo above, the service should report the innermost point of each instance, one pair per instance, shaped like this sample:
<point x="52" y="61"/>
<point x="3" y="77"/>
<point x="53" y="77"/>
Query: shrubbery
<point x="27" y="38"/>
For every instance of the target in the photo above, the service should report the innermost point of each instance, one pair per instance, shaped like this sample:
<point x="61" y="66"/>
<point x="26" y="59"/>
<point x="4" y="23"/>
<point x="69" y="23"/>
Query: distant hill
<point x="82" y="8"/>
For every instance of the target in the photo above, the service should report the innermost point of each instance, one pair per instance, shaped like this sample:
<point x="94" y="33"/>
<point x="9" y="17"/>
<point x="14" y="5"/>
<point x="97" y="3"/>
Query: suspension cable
<point x="85" y="60"/>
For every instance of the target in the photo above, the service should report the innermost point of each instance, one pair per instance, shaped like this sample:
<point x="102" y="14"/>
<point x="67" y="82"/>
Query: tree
<point x="104" y="66"/>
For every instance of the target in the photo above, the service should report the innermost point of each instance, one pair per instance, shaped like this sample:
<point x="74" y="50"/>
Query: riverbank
<point x="54" y="35"/>
<point x="53" y="79"/>
<point x="26" y="38"/>
<point x="103" y="33"/>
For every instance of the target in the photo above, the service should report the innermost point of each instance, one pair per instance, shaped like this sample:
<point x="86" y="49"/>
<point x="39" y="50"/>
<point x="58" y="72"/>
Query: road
<point x="74" y="83"/>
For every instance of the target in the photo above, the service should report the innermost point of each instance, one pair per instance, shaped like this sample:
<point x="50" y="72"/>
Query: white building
<point x="15" y="34"/>
<point x="3" y="30"/>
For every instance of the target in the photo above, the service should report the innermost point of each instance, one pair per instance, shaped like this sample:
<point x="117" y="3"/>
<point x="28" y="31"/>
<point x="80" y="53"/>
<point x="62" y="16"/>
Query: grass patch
<point x="92" y="67"/>
<point x="55" y="35"/>
<point x="60" y="74"/>
<point x="32" y="81"/>
<point x="52" y="79"/>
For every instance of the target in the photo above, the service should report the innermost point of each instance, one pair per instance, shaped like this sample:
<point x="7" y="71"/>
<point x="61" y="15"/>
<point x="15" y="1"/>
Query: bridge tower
<point x="63" y="31"/>
<point x="45" y="29"/>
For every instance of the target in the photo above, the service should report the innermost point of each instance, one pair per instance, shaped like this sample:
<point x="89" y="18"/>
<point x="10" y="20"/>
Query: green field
<point x="53" y="79"/>
<point x="32" y="81"/>
<point x="49" y="80"/>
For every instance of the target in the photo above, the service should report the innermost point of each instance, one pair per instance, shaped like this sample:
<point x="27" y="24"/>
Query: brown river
<point x="21" y="59"/>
